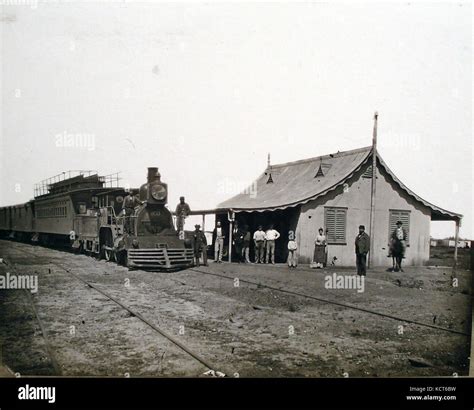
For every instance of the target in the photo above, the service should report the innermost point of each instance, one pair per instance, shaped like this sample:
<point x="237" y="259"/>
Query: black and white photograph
<point x="268" y="192"/>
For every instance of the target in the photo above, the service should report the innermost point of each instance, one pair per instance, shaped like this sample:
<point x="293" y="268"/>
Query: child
<point x="292" y="257"/>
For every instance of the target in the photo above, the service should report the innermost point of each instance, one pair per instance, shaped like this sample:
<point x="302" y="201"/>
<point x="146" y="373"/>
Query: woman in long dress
<point x="319" y="257"/>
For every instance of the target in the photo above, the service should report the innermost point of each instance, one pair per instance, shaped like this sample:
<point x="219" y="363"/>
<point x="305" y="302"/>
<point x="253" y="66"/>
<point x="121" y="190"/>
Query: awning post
<point x="231" y="228"/>
<point x="456" y="239"/>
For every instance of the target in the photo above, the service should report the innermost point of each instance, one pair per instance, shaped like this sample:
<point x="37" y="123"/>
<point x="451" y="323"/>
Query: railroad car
<point x="83" y="210"/>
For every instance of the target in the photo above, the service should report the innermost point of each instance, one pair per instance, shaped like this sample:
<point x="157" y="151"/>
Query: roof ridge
<point x="332" y="155"/>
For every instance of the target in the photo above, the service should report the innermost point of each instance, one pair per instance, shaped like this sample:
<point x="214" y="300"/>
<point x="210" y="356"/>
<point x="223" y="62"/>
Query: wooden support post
<point x="231" y="228"/>
<point x="203" y="222"/>
<point x="456" y="239"/>
<point x="372" y="196"/>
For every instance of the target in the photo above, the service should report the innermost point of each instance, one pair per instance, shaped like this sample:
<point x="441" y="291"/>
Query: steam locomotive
<point x="81" y="210"/>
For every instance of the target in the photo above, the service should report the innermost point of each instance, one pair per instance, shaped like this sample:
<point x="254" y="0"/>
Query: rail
<point x="333" y="302"/>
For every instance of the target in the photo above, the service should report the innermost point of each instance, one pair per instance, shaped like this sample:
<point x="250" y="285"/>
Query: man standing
<point x="398" y="245"/>
<point x="246" y="245"/>
<point x="218" y="239"/>
<point x="259" y="240"/>
<point x="130" y="202"/>
<point x="199" y="245"/>
<point x="182" y="212"/>
<point x="239" y="242"/>
<point x="362" y="247"/>
<point x="271" y="236"/>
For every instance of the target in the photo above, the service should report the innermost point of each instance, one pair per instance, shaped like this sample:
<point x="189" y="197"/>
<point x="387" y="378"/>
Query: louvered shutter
<point x="335" y="222"/>
<point x="404" y="217"/>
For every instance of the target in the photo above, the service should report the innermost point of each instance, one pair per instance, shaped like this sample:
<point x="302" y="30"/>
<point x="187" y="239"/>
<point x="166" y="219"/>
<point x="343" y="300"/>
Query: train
<point x="83" y="211"/>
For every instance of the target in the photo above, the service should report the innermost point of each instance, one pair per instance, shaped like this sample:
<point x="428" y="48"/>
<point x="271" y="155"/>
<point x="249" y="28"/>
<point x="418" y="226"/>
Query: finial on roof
<point x="268" y="160"/>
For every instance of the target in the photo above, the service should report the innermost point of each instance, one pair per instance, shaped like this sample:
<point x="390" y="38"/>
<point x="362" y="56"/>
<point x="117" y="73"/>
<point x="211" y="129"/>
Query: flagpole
<point x="372" y="196"/>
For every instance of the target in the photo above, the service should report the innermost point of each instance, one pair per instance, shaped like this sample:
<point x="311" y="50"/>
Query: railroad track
<point x="332" y="302"/>
<point x="213" y="369"/>
<point x="258" y="285"/>
<point x="323" y="300"/>
<point x="49" y="350"/>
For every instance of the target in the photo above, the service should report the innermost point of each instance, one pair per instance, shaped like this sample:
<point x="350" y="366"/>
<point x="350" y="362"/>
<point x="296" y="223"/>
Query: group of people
<point x="397" y="248"/>
<point x="264" y="243"/>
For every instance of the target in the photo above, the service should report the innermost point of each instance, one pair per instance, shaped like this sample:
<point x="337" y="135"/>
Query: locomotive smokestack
<point x="153" y="174"/>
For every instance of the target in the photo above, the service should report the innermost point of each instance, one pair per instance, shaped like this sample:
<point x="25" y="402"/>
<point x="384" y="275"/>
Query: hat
<point x="361" y="227"/>
<point x="399" y="223"/>
<point x="181" y="197"/>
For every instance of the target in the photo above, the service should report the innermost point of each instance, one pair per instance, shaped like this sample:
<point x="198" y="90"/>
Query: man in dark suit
<point x="199" y="245"/>
<point x="239" y="235"/>
<point x="182" y="212"/>
<point x="362" y="247"/>
<point x="130" y="202"/>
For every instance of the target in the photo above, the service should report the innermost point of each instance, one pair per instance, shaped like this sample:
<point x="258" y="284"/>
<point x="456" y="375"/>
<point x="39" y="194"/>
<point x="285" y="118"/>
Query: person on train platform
<point x="292" y="256"/>
<point x="199" y="245"/>
<point x="259" y="241"/>
<point x="320" y="250"/>
<point x="218" y="236"/>
<point x="362" y="248"/>
<point x="271" y="236"/>
<point x="246" y="244"/>
<point x="239" y="235"/>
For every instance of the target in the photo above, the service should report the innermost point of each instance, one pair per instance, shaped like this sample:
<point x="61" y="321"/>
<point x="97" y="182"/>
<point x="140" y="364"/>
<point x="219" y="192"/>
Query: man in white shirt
<point x="271" y="236"/>
<point x="218" y="237"/>
<point x="259" y="240"/>
<point x="292" y="257"/>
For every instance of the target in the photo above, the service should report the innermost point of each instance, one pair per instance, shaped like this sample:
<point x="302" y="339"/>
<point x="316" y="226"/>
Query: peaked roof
<point x="295" y="183"/>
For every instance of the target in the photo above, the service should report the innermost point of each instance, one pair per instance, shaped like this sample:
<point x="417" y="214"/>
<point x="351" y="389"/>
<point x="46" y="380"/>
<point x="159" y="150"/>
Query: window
<point x="398" y="215"/>
<point x="335" y="222"/>
<point x="368" y="172"/>
<point x="322" y="170"/>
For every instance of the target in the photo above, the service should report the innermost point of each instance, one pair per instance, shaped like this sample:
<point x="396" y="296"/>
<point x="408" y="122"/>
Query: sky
<point x="205" y="91"/>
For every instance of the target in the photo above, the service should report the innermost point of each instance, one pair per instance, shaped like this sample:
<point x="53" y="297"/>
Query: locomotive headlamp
<point x="158" y="192"/>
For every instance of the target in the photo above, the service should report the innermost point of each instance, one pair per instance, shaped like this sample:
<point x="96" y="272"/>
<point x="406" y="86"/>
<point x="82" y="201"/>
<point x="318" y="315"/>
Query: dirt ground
<point x="244" y="331"/>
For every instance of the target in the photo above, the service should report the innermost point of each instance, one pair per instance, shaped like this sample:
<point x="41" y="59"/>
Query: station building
<point x="333" y="192"/>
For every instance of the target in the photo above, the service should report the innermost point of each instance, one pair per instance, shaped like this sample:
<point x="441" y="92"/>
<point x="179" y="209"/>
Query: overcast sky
<point x="205" y="91"/>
